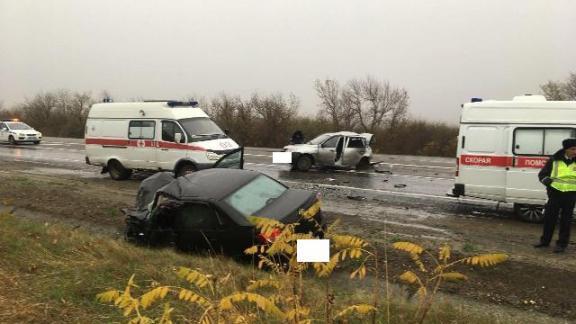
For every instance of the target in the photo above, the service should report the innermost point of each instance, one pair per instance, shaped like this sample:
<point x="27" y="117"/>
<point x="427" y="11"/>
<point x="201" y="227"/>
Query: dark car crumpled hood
<point x="286" y="207"/>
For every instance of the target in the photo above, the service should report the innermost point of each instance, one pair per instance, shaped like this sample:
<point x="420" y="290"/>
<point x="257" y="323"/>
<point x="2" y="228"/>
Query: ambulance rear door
<point x="482" y="161"/>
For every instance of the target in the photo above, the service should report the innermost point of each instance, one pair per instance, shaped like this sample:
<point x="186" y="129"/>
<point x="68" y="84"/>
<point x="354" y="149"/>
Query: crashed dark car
<point x="211" y="210"/>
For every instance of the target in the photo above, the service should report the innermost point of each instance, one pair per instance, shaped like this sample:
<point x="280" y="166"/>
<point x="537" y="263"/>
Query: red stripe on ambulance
<point x="142" y="143"/>
<point x="504" y="161"/>
<point x="486" y="160"/>
<point x="530" y="162"/>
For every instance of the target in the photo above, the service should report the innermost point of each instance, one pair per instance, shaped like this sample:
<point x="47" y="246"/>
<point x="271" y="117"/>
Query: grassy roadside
<point x="53" y="272"/>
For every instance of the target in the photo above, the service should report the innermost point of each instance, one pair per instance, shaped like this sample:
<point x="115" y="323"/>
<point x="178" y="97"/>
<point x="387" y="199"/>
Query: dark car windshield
<point x="319" y="139"/>
<point x="255" y="195"/>
<point x="201" y="129"/>
<point x="18" y="126"/>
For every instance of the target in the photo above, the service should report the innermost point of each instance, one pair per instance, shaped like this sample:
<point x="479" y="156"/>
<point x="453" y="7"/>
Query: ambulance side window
<point x="553" y="138"/>
<point x="141" y="129"/>
<point x="169" y="130"/>
<point x="540" y="141"/>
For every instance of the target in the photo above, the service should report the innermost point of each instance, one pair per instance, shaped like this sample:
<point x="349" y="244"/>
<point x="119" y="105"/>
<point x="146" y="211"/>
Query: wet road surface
<point x="403" y="177"/>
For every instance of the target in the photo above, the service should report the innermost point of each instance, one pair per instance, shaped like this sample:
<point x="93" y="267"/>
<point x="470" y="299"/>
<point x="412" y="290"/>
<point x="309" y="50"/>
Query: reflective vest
<point x="563" y="176"/>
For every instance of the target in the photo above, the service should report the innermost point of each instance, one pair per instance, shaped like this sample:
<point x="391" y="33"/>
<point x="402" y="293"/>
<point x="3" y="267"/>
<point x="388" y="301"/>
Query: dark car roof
<point x="209" y="184"/>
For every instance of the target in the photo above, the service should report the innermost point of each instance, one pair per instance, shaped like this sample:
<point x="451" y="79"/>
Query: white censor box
<point x="314" y="250"/>
<point x="281" y="157"/>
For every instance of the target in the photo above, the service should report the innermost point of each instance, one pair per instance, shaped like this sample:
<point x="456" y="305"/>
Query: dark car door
<point x="201" y="227"/>
<point x="232" y="160"/>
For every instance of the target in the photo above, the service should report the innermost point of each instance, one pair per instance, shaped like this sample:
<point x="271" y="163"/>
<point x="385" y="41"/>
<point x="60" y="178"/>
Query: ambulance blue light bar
<point x="182" y="104"/>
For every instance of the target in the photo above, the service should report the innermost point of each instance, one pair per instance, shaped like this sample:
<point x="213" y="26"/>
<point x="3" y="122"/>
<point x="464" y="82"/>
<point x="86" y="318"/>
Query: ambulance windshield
<point x="201" y="129"/>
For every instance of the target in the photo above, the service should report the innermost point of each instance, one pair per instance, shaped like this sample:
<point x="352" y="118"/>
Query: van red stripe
<point x="486" y="160"/>
<point x="504" y="161"/>
<point x="141" y="143"/>
<point x="530" y="161"/>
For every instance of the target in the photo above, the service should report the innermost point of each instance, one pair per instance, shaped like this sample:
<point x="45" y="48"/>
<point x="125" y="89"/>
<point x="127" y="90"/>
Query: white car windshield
<point x="201" y="129"/>
<point x="255" y="195"/>
<point x="319" y="139"/>
<point x="18" y="126"/>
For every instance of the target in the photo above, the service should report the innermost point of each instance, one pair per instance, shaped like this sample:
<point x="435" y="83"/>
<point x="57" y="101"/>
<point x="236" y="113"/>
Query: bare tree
<point x="336" y="104"/>
<point x="570" y="87"/>
<point x="274" y="118"/>
<point x="58" y="113"/>
<point x="375" y="103"/>
<point x="331" y="103"/>
<point x="554" y="90"/>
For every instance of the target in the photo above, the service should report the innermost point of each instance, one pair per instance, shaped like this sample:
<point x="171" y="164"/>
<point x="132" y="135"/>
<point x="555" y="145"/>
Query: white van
<point x="153" y="135"/>
<point x="502" y="145"/>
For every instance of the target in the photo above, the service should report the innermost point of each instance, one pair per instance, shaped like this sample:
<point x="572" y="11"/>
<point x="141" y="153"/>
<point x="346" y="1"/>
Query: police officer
<point x="559" y="177"/>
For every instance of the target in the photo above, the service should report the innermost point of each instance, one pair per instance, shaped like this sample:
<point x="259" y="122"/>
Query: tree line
<point x="268" y="120"/>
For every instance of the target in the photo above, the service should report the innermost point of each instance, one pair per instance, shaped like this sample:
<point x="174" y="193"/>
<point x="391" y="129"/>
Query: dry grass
<point x="52" y="273"/>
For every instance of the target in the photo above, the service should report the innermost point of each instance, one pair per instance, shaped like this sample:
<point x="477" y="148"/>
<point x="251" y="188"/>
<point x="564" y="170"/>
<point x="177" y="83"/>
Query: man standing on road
<point x="559" y="177"/>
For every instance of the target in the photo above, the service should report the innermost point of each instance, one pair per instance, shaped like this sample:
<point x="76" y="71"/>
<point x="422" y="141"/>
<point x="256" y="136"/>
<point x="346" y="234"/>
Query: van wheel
<point x="304" y="163"/>
<point x="185" y="168"/>
<point x="117" y="171"/>
<point x="364" y="164"/>
<point x="529" y="213"/>
<point x="11" y="140"/>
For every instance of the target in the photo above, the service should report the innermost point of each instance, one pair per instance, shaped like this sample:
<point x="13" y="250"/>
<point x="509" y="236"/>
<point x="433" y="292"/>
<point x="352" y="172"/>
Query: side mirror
<point x="227" y="132"/>
<point x="178" y="137"/>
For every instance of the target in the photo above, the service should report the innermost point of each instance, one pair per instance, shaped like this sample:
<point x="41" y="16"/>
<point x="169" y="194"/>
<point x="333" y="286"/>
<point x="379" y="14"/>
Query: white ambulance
<point x="502" y="145"/>
<point x="153" y="135"/>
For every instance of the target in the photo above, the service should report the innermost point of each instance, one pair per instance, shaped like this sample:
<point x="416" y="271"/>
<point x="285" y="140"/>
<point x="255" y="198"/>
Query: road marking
<point x="417" y="166"/>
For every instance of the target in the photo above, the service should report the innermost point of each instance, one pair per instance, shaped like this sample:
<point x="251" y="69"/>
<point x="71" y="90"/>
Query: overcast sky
<point x="442" y="52"/>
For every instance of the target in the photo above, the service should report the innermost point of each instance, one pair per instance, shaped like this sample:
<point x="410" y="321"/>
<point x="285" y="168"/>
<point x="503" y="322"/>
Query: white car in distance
<point x="15" y="132"/>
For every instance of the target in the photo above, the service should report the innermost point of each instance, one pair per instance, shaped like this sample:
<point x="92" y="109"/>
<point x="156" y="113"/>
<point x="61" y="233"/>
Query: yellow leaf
<point x="252" y="250"/>
<point x="453" y="276"/>
<point x="444" y="254"/>
<point x="408" y="247"/>
<point x="108" y="296"/>
<point x="486" y="260"/>
<point x="261" y="302"/>
<point x="409" y="277"/>
<point x="360" y="309"/>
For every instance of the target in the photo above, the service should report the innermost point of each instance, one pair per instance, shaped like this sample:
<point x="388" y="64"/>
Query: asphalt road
<point x="409" y="174"/>
<point x="398" y="177"/>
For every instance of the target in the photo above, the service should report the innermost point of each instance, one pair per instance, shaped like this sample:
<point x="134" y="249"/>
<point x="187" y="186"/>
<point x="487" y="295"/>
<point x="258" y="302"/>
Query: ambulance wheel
<point x="185" y="168"/>
<point x="364" y="164"/>
<point x="117" y="171"/>
<point x="304" y="163"/>
<point x="11" y="140"/>
<point x="529" y="213"/>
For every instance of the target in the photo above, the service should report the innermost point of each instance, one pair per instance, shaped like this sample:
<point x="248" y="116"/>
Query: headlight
<point x="212" y="155"/>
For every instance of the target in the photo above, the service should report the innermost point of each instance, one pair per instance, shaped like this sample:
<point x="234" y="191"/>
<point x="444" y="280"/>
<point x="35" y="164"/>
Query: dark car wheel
<point x="304" y="163"/>
<point x="363" y="164"/>
<point x="185" y="169"/>
<point x="118" y="171"/>
<point x="529" y="213"/>
<point x="11" y="140"/>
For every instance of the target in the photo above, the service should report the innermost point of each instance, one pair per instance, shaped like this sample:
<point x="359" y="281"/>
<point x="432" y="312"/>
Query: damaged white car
<point x="341" y="149"/>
